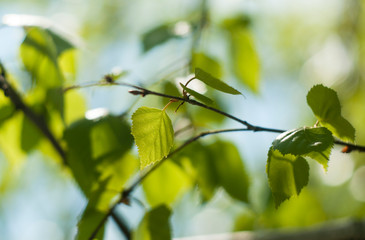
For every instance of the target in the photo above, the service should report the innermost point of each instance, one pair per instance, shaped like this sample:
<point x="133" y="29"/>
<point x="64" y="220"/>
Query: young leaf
<point x="245" y="60"/>
<point x="208" y="64"/>
<point x="326" y="107"/>
<point x="197" y="95"/>
<point x="315" y="142"/>
<point x="214" y="82"/>
<point x="153" y="133"/>
<point x="287" y="175"/>
<point x="154" y="225"/>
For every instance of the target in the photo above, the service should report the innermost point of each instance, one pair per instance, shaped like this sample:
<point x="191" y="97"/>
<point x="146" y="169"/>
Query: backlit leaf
<point x="197" y="95"/>
<point x="315" y="142"/>
<point x="326" y="107"/>
<point x="245" y="60"/>
<point x="39" y="54"/>
<point x="214" y="82"/>
<point x="165" y="184"/>
<point x="206" y="63"/>
<point x="155" y="225"/>
<point x="153" y="133"/>
<point x="98" y="150"/>
<point x="287" y="175"/>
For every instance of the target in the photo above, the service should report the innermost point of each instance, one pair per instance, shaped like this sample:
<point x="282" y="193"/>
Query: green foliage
<point x="153" y="133"/>
<point x="157" y="36"/>
<point x="166" y="184"/>
<point x="97" y="150"/>
<point x="207" y="64"/>
<point x="245" y="60"/>
<point x="326" y="107"/>
<point x="197" y="95"/>
<point x="216" y="165"/>
<point x="287" y="174"/>
<point x="315" y="142"/>
<point x="154" y="225"/>
<point x="39" y="52"/>
<point x="94" y="213"/>
<point x="214" y="82"/>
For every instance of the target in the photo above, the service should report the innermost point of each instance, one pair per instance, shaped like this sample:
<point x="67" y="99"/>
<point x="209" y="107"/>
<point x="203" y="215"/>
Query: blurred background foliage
<point x="291" y="45"/>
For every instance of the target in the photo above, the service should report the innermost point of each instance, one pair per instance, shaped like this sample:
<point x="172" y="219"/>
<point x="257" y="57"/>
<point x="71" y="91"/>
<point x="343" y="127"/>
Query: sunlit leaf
<point x="206" y="63"/>
<point x="287" y="175"/>
<point x="165" y="184"/>
<point x="98" y="150"/>
<point x="39" y="54"/>
<point x="197" y="95"/>
<point x="153" y="133"/>
<point x="326" y="107"/>
<point x="315" y="142"/>
<point x="75" y="106"/>
<point x="214" y="82"/>
<point x="245" y="60"/>
<point x="155" y="225"/>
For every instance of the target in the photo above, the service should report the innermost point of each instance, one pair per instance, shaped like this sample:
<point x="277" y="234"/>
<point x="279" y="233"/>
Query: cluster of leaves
<point x="99" y="150"/>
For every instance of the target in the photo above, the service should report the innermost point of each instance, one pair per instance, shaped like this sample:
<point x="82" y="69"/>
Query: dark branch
<point x="37" y="120"/>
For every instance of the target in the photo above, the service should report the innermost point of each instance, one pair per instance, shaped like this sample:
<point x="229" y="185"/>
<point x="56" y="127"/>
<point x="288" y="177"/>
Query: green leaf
<point x="315" y="142"/>
<point x="208" y="64"/>
<point x="230" y="170"/>
<point x="216" y="165"/>
<point x="287" y="174"/>
<point x="245" y="60"/>
<point x="197" y="95"/>
<point x="166" y="184"/>
<point x="326" y="107"/>
<point x="154" y="225"/>
<point x="197" y="162"/>
<point x="153" y="133"/>
<point x="214" y="82"/>
<point x="95" y="212"/>
<point x="98" y="150"/>
<point x="39" y="54"/>
<point x="156" y="36"/>
<point x="30" y="135"/>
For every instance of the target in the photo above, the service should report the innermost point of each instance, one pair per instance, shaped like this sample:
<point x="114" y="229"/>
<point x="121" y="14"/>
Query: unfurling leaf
<point x="214" y="82"/>
<point x="287" y="174"/>
<point x="315" y="142"/>
<point x="326" y="107"/>
<point x="197" y="95"/>
<point x="154" y="225"/>
<point x="153" y="133"/>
